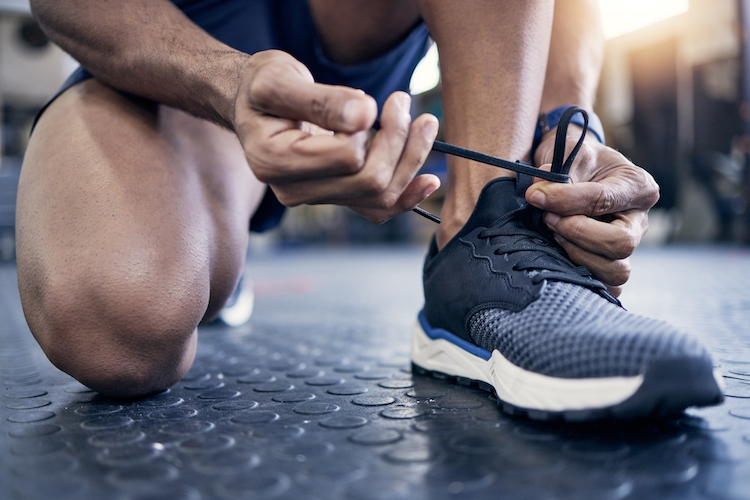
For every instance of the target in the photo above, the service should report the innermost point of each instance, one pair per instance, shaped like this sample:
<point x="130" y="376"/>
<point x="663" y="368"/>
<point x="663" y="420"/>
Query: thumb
<point x="286" y="89"/>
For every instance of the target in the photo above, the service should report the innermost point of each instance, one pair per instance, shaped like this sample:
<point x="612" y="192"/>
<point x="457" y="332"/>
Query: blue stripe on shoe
<point x="439" y="333"/>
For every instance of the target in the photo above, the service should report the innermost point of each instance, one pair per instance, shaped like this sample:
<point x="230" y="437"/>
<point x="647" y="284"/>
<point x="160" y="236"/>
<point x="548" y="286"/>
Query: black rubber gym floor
<point x="314" y="399"/>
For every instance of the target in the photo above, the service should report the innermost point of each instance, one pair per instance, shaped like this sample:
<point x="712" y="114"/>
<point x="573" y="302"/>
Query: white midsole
<point x="517" y="386"/>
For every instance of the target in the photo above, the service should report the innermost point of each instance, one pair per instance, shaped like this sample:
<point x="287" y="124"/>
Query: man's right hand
<point x="311" y="142"/>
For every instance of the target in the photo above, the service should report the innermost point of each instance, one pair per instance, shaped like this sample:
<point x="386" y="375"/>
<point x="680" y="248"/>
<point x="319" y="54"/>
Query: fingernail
<point x="551" y="219"/>
<point x="430" y="130"/>
<point x="431" y="189"/>
<point x="537" y="199"/>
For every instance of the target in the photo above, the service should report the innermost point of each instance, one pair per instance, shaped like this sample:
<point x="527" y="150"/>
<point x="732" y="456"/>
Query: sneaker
<point x="505" y="308"/>
<point x="239" y="306"/>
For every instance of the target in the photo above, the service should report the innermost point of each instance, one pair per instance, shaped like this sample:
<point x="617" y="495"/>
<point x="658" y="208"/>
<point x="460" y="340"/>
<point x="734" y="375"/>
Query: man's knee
<point x="119" y="335"/>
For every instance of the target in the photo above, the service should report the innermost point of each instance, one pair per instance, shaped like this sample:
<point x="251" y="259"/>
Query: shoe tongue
<point x="496" y="200"/>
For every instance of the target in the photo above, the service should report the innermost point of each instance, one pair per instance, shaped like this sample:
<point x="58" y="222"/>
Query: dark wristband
<point x="548" y="121"/>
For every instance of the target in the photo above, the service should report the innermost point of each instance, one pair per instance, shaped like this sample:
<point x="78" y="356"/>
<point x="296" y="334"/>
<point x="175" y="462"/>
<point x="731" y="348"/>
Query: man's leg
<point x="519" y="316"/>
<point x="132" y="226"/>
<point x="493" y="56"/>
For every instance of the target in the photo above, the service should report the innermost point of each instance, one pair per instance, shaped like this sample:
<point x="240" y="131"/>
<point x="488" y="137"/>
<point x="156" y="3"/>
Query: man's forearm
<point x="148" y="48"/>
<point x="575" y="56"/>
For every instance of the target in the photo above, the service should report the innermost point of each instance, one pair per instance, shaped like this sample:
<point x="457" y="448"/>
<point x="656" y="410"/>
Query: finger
<point x="617" y="239"/>
<point x="371" y="188"/>
<point x="396" y="154"/>
<point x="625" y="189"/>
<point x="279" y="151"/>
<point x="612" y="272"/>
<point x="422" y="133"/>
<point x="414" y="194"/>
<point x="614" y="291"/>
<point x="286" y="89"/>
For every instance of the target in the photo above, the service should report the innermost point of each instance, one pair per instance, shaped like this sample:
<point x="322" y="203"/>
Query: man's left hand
<point x="600" y="217"/>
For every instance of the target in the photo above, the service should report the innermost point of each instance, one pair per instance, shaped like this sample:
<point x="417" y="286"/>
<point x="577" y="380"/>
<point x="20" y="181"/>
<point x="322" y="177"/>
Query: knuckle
<point x="353" y="161"/>
<point x="625" y="246"/>
<point x="262" y="88"/>
<point x="602" y="204"/>
<point x="585" y="154"/>
<point x="620" y="272"/>
<point x="286" y="199"/>
<point x="320" y="108"/>
<point x="376" y="184"/>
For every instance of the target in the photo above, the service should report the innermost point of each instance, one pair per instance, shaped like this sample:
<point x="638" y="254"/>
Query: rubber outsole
<point x="667" y="388"/>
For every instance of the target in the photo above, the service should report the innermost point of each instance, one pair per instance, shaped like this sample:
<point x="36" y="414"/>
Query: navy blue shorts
<point x="254" y="25"/>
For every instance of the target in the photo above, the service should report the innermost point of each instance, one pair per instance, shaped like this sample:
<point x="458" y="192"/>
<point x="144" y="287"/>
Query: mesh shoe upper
<point x="571" y="332"/>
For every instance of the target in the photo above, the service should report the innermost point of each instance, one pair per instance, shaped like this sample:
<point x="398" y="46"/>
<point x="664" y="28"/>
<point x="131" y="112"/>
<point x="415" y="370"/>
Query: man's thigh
<point x="128" y="209"/>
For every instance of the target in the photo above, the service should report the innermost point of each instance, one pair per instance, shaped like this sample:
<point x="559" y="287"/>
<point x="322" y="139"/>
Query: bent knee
<point x="126" y="374"/>
<point x="124" y="339"/>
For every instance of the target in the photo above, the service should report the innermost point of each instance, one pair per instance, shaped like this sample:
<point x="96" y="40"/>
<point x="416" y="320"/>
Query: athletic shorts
<point x="254" y="25"/>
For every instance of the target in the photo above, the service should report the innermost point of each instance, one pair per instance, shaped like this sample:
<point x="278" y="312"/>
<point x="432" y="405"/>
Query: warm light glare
<point x="427" y="73"/>
<point x="623" y="16"/>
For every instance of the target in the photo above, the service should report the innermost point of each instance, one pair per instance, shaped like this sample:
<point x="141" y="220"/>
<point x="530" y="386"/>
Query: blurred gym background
<point x="673" y="97"/>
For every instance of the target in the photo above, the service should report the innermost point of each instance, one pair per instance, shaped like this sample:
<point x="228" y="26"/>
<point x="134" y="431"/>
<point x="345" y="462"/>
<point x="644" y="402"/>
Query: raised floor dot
<point x="28" y="404"/>
<point x="315" y="408"/>
<point x="34" y="430"/>
<point x="259" y="377"/>
<point x="373" y="400"/>
<point x="324" y="381"/>
<point x="191" y="426"/>
<point x="343" y="422"/>
<point x="206" y="443"/>
<point x="107" y="422"/>
<point x="204" y="385"/>
<point x="173" y="413"/>
<point x="31" y="416"/>
<point x="217" y="394"/>
<point x="128" y="455"/>
<point x="347" y="390"/>
<point x="396" y="384"/>
<point x="373" y="375"/>
<point x="402" y="413"/>
<point x="91" y="410"/>
<point x="255" y="417"/>
<point x="277" y="386"/>
<point x="120" y="437"/>
<point x="408" y="454"/>
<point x="293" y="397"/>
<point x="374" y="437"/>
<point x="234" y="405"/>
<point x="25" y="393"/>
<point x="162" y="400"/>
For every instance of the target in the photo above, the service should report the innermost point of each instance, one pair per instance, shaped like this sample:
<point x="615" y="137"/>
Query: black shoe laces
<point x="560" y="164"/>
<point x="535" y="243"/>
<point x="522" y="230"/>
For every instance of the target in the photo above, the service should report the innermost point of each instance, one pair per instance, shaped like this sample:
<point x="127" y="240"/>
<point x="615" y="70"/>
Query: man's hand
<point x="600" y="217"/>
<point x="311" y="143"/>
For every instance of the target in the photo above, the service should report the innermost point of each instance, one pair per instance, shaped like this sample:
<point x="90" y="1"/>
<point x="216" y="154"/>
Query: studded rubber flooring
<point x="314" y="399"/>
